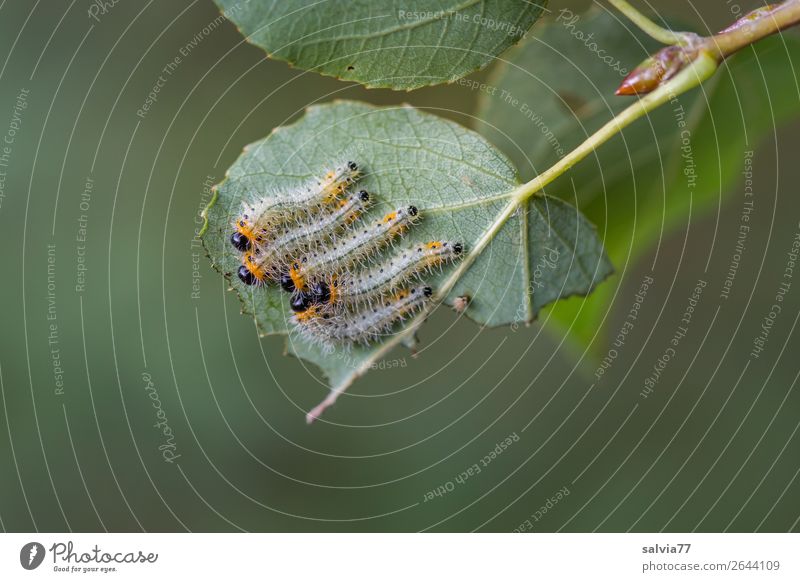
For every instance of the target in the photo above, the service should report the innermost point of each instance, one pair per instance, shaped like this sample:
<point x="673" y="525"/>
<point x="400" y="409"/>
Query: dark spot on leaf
<point x="575" y="103"/>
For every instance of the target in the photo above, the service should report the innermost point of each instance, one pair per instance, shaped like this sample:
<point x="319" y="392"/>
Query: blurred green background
<point x="715" y="446"/>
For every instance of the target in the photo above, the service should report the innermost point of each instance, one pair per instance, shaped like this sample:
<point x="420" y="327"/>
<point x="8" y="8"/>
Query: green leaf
<point x="637" y="187"/>
<point x="385" y="43"/>
<point x="461" y="185"/>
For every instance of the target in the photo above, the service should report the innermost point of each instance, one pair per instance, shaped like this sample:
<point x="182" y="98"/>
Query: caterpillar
<point x="360" y="327"/>
<point x="262" y="217"/>
<point x="348" y="251"/>
<point x="363" y="288"/>
<point x="266" y="261"/>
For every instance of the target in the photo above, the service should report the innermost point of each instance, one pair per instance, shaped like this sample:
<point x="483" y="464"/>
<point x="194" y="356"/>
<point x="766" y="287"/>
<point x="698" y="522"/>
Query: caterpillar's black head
<point x="240" y="242"/>
<point x="427" y="291"/>
<point x="246" y="276"/>
<point x="353" y="166"/>
<point x="412" y="210"/>
<point x="458" y="248"/>
<point x="301" y="302"/>
<point x="287" y="284"/>
<point x="364" y="196"/>
<point x="320" y="292"/>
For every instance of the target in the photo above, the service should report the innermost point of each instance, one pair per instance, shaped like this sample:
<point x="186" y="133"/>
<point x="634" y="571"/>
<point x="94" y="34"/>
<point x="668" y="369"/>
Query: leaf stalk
<point x="652" y="29"/>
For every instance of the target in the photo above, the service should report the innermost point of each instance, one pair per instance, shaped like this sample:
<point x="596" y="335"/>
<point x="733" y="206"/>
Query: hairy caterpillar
<point x="352" y="327"/>
<point x="266" y="261"/>
<point x="348" y="251"/>
<point x="365" y="287"/>
<point x="262" y="217"/>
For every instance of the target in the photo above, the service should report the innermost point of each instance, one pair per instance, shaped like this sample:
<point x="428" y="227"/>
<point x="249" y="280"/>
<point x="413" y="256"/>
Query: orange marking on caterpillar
<point x="307" y="315"/>
<point x="334" y="289"/>
<point x="251" y="272"/>
<point x="297" y="277"/>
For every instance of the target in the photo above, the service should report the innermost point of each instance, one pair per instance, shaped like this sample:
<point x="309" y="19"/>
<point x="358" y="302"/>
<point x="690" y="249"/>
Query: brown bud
<point x="656" y="70"/>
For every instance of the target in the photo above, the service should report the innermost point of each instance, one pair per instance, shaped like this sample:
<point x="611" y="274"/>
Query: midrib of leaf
<point x="526" y="265"/>
<point x="471" y="204"/>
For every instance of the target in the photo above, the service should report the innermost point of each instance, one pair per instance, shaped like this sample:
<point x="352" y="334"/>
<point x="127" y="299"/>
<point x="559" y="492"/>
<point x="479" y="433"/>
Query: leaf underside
<point x="459" y="182"/>
<point x="399" y="44"/>
<point x="633" y="188"/>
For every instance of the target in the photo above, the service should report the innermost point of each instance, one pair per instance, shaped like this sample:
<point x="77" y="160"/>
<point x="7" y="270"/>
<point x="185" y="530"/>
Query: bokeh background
<point x="714" y="448"/>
